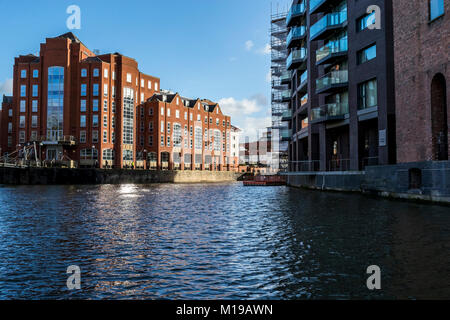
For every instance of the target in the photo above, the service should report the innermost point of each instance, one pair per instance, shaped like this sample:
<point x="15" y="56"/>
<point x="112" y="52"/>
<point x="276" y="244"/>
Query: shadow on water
<point x="219" y="241"/>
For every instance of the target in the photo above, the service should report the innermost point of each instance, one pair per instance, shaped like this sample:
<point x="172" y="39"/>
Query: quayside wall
<point x="60" y="176"/>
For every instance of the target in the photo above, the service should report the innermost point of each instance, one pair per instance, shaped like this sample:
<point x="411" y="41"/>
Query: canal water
<point x="220" y="241"/>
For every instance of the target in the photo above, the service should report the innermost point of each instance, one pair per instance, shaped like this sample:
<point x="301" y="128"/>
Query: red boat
<point x="265" y="181"/>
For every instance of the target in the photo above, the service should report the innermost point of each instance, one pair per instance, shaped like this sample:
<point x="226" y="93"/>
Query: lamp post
<point x="144" y="155"/>
<point x="93" y="151"/>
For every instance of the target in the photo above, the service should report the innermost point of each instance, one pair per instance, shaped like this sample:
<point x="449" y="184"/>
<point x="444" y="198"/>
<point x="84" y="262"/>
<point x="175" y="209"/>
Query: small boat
<point x="265" y="181"/>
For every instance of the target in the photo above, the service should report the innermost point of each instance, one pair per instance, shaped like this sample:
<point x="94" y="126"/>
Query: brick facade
<point x="421" y="51"/>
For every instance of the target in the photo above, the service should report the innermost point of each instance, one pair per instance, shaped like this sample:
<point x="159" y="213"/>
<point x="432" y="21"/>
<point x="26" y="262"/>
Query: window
<point x="105" y="105"/>
<point x="191" y="131"/>
<point x="365" y="21"/>
<point x="367" y="94"/>
<point x="217" y="140"/>
<point x="178" y="100"/>
<point x="168" y="112"/>
<point x="149" y="84"/>
<point x="22" y="106"/>
<point x="10" y="112"/>
<point x="128" y="116"/>
<point x="83" y="121"/>
<point x="150" y="111"/>
<point x="108" y="155"/>
<point x="142" y="83"/>
<point x="83" y="136"/>
<point x="105" y="73"/>
<point x="168" y="127"/>
<point x="83" y="73"/>
<point x="162" y="111"/>
<point x="9" y="141"/>
<point x="185" y="131"/>
<point x="22" y="137"/>
<point x="185" y="116"/>
<point x="150" y="126"/>
<point x="95" y="90"/>
<point x="22" y="122"/>
<point x="95" y="105"/>
<point x="198" y="138"/>
<point x="95" y="136"/>
<point x="23" y="90"/>
<point x="198" y="118"/>
<point x="162" y="126"/>
<point x="55" y="103"/>
<point x="129" y="77"/>
<point x="177" y="135"/>
<point x="35" y="73"/>
<point x="83" y="105"/>
<point x="191" y="117"/>
<point x="105" y="136"/>
<point x="150" y="141"/>
<point x="113" y="137"/>
<point x="105" y="121"/>
<point x="105" y="90"/>
<point x="23" y="74"/>
<point x="114" y="75"/>
<point x="95" y="121"/>
<point x="35" y="90"/>
<point x="436" y="9"/>
<point x="113" y="122"/>
<point x="83" y="90"/>
<point x="367" y="54"/>
<point x="113" y="107"/>
<point x="168" y="141"/>
<point x="142" y="97"/>
<point x="88" y="154"/>
<point x="162" y="141"/>
<point x="113" y="91"/>
<point x="34" y="121"/>
<point x="156" y="86"/>
<point x="217" y="121"/>
<point x="10" y="127"/>
<point x="33" y="135"/>
<point x="34" y="106"/>
<point x="177" y="114"/>
<point x="96" y="72"/>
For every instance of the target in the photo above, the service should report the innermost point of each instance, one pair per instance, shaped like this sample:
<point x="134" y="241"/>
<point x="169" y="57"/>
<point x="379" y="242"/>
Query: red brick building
<point x="184" y="134"/>
<point x="422" y="71"/>
<point x="94" y="110"/>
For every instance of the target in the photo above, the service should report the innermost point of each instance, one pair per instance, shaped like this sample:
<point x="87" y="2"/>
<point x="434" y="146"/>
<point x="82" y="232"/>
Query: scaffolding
<point x="280" y="79"/>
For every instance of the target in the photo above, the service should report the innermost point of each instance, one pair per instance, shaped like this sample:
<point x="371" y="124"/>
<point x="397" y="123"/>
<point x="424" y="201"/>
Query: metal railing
<point x="295" y="33"/>
<point x="329" y="110"/>
<point x="304" y="166"/>
<point x="339" y="165"/>
<point x="296" y="55"/>
<point x="296" y="10"/>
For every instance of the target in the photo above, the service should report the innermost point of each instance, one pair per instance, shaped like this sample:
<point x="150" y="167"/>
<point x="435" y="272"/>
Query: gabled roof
<point x="92" y="59"/>
<point x="70" y="36"/>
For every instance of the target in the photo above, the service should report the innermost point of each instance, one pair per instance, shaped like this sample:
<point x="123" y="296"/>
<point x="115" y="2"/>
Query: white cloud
<point x="266" y="50"/>
<point x="269" y="77"/>
<point x="244" y="113"/>
<point x="249" y="45"/>
<point x="6" y="88"/>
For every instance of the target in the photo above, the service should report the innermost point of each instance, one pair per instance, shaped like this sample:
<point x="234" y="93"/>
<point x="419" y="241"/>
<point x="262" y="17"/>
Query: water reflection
<point x="218" y="241"/>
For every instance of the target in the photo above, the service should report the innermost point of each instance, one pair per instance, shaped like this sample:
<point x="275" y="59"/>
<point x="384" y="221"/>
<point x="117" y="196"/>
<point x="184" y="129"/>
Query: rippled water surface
<point x="219" y="241"/>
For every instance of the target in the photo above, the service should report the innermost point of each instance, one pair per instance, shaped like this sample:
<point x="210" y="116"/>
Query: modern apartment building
<point x="342" y="84"/>
<point x="95" y="110"/>
<point x="422" y="72"/>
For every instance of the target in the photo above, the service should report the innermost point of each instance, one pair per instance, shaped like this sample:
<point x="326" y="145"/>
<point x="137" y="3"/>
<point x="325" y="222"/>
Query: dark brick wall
<point x="421" y="50"/>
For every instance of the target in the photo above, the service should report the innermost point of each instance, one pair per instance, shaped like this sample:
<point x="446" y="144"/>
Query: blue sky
<point x="215" y="49"/>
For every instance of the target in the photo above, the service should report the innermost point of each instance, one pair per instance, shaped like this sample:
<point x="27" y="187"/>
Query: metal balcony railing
<point x="304" y="100"/>
<point x="330" y="20"/>
<point x="332" y="78"/>
<point x="304" y="166"/>
<point x="332" y="47"/>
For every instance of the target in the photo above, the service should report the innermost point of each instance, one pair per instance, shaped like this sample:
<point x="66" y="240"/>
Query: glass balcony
<point x="287" y="115"/>
<point x="316" y="4"/>
<point x="329" y="21"/>
<point x="331" y="48"/>
<point x="296" y="33"/>
<point x="332" y="79"/>
<point x="329" y="112"/>
<point x="295" y="58"/>
<point x="286" y="134"/>
<point x="282" y="96"/>
<point x="296" y="11"/>
<point x="285" y="77"/>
